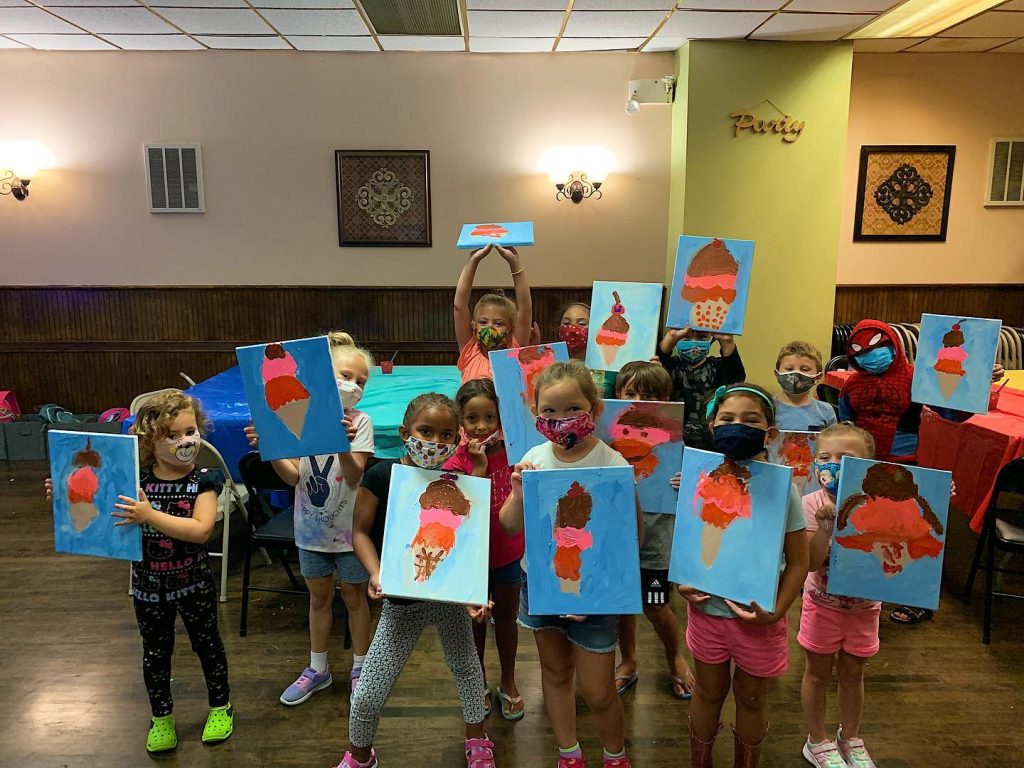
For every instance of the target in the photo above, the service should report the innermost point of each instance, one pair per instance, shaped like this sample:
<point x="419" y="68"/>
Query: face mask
<point x="490" y="338"/>
<point x="574" y="336"/>
<point x="795" y="382"/>
<point x="876" y="360"/>
<point x="181" y="452"/>
<point x="351" y="393"/>
<point x="828" y="476"/>
<point x="693" y="351"/>
<point x="567" y="433"/>
<point x="738" y="441"/>
<point x="427" y="454"/>
<point x="485" y="442"/>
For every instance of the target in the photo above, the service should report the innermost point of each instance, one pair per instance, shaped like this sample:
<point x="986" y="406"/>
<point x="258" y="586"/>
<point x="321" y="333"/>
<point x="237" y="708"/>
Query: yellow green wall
<point x="785" y="197"/>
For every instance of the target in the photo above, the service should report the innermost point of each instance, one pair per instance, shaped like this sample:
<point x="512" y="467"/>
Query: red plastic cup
<point x="387" y="366"/>
<point x="993" y="398"/>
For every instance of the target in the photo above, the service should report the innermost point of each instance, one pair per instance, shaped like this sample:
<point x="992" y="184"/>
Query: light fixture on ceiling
<point x="922" y="18"/>
<point x="661" y="91"/>
<point x="19" y="162"/>
<point x="577" y="171"/>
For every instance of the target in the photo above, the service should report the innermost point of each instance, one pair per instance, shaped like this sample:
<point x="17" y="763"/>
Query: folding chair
<point x="231" y="498"/>
<point x="140" y="399"/>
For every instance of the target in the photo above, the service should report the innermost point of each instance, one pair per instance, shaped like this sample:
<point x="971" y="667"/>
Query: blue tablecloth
<point x="385" y="400"/>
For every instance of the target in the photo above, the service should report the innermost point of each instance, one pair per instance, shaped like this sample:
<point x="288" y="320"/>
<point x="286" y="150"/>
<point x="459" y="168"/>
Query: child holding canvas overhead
<point x="496" y="322"/>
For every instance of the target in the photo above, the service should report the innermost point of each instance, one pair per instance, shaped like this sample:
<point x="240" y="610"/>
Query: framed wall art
<point x="383" y="198"/>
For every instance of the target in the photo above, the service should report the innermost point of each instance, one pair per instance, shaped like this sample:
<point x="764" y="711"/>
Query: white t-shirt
<point x="601" y="455"/>
<point x="323" y="500"/>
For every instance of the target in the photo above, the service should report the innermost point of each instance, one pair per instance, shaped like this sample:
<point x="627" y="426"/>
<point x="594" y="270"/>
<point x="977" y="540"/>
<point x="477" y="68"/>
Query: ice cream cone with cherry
<point x="571" y="537"/>
<point x="949" y="364"/>
<point x="614" y="332"/>
<point x="443" y="507"/>
<point x="725" y="496"/>
<point x="710" y="285"/>
<point x="285" y="394"/>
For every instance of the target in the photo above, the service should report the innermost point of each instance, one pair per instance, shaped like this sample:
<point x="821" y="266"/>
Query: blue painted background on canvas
<point x="797" y="450"/>
<point x="953" y="368"/>
<point x="513" y="382"/>
<point x="461" y="574"/>
<point x="649" y="435"/>
<point x="739" y="562"/>
<point x="892" y="552"/>
<point x="307" y="425"/>
<point x="516" y="233"/>
<point x="719" y="266"/>
<point x="88" y="528"/>
<point x="625" y="331"/>
<point x="608" y="565"/>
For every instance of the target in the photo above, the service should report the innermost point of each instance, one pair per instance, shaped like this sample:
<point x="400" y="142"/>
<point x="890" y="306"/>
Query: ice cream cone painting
<point x="890" y="533"/>
<point x="507" y="233"/>
<point x="954" y="362"/>
<point x="293" y="398"/>
<point x="797" y="450"/>
<point x="710" y="284"/>
<point x="624" y="319"/>
<point x="581" y="541"/>
<point x="89" y="472"/>
<point x="730" y="524"/>
<point x="436" y="534"/>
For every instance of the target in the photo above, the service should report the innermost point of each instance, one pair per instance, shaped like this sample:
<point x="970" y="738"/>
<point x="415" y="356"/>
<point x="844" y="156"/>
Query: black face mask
<point x="738" y="441"/>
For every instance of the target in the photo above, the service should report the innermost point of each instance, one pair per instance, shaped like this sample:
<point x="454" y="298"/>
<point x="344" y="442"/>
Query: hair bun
<point x="340" y="339"/>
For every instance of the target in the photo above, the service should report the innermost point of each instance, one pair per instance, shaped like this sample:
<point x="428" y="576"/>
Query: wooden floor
<point x="71" y="692"/>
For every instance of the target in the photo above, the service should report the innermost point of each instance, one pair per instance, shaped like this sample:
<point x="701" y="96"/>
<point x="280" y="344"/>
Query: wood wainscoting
<point x="906" y="303"/>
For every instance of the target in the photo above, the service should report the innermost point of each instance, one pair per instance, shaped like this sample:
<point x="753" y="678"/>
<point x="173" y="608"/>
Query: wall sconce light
<point x="577" y="172"/>
<point x="20" y="161"/>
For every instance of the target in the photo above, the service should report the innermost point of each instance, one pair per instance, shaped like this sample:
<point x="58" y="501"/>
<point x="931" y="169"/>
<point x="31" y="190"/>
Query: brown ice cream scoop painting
<point x="953" y="366"/>
<point x="83" y="483"/>
<point x="443" y="508"/>
<point x="624" y="323"/>
<point x="710" y="284"/>
<point x="571" y="536"/>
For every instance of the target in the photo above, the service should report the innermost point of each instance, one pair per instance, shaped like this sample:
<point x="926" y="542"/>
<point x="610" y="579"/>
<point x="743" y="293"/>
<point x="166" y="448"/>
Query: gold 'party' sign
<point x="787" y="126"/>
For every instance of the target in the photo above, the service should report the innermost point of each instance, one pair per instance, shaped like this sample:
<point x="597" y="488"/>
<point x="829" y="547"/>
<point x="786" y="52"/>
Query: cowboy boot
<point x="747" y="755"/>
<point x="701" y="752"/>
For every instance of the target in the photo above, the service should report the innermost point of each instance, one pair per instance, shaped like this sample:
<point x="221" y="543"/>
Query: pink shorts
<point x="826" y="630"/>
<point x="761" y="650"/>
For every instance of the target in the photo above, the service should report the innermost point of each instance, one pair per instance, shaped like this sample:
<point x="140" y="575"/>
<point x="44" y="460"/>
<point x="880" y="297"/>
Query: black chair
<point x="268" y="528"/>
<point x="1003" y="529"/>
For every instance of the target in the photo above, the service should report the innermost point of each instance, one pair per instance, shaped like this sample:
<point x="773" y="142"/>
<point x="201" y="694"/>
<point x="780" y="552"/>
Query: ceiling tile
<point x="517" y="5"/>
<point x="515" y="23"/>
<point x="154" y="42"/>
<point x="116" y="20"/>
<point x="219" y="21"/>
<point x="707" y="25"/>
<point x="511" y="44"/>
<point x="1016" y="5"/>
<point x="12" y="3"/>
<point x="1015" y="47"/>
<point x="422" y="43"/>
<point x="292" y="22"/>
<point x="331" y="4"/>
<point x="6" y="43"/>
<point x="732" y="5"/>
<point x="885" y="44"/>
<point x="197" y="4"/>
<point x="842" y="6"/>
<point x="991" y="24"/>
<point x="32" y="21"/>
<point x="599" y="43"/>
<point x="241" y="42"/>
<point x="612" y="23"/>
<point x="809" y="26"/>
<point x="959" y="44"/>
<point x="623" y="5"/>
<point x="83" y="3"/>
<point x="336" y="43"/>
<point x="64" y="42"/>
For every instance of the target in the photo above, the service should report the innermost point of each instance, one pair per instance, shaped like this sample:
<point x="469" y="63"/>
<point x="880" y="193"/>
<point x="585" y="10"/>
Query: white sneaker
<point x="823" y="755"/>
<point x="854" y="752"/>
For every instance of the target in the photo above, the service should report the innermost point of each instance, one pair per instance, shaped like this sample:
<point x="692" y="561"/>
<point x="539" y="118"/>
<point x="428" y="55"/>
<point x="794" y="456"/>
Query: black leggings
<point x="197" y="605"/>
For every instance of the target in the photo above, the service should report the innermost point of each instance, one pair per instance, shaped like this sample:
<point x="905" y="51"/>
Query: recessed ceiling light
<point x="922" y="18"/>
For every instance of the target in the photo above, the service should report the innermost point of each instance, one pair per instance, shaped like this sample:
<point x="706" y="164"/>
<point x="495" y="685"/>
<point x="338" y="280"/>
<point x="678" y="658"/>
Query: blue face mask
<point x="693" y="351"/>
<point x="738" y="441"/>
<point x="876" y="360"/>
<point x="828" y="476"/>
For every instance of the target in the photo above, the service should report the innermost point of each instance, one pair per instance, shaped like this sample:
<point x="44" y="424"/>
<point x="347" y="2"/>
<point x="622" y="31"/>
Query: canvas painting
<point x="649" y="435"/>
<point x="509" y="233"/>
<point x="730" y="525"/>
<point x="293" y="397"/>
<point x="890" y="533"/>
<point x="582" y="551"/>
<point x="953" y="368"/>
<point x="710" y="284"/>
<point x="797" y="450"/>
<point x="436" y="536"/>
<point x="89" y="471"/>
<point x="624" y="323"/>
<point x="515" y="378"/>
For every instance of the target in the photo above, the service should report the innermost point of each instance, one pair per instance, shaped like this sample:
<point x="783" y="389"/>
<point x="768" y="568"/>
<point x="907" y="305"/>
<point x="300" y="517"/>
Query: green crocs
<point x="219" y="724"/>
<point x="162" y="736"/>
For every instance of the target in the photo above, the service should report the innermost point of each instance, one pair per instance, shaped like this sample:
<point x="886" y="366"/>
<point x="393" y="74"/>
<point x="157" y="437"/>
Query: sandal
<point x="507" y="703"/>
<point x="162" y="736"/>
<point x="487" y="701"/>
<point x="906" y="614"/>
<point x="681" y="689"/>
<point x="630" y="682"/>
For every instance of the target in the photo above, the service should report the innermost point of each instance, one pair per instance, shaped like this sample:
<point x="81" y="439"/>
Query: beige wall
<point x="962" y="99"/>
<point x="269" y="123"/>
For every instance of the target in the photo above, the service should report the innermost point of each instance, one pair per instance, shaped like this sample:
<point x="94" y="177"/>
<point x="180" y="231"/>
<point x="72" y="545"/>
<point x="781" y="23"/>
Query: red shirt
<point x="505" y="549"/>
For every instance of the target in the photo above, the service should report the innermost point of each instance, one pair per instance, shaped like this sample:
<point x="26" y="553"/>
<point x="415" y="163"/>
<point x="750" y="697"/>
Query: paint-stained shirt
<point x="813" y="417"/>
<point x="694" y="385"/>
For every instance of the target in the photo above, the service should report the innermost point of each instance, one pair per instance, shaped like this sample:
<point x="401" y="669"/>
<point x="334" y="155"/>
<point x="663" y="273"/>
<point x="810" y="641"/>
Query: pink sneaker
<point x="823" y="755"/>
<point x="350" y="762"/>
<point x="854" y="752"/>
<point x="616" y="762"/>
<point x="479" y="753"/>
<point x="571" y="762"/>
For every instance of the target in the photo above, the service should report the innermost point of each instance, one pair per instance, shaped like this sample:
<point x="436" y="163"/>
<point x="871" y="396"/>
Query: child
<point x="324" y="497"/>
<point x="573" y="329"/>
<point x="832" y="628"/>
<point x="176" y="508"/>
<point x="482" y="453"/>
<point x="797" y="369"/>
<point x="495" y="322"/>
<point x="722" y="634"/>
<point x="650" y="381"/>
<point x="566" y="405"/>
<point x="430" y="431"/>
<point x="695" y="376"/>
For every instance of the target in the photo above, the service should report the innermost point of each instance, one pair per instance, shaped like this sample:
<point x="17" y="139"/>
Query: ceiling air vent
<point x="1006" y="173"/>
<point x="426" y="17"/>
<point x="174" y="173"/>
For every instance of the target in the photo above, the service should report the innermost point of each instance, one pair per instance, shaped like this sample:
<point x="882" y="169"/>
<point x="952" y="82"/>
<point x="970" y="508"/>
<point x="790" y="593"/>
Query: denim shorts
<point x="506" y="574"/>
<point x="316" y="565"/>
<point x="597" y="634"/>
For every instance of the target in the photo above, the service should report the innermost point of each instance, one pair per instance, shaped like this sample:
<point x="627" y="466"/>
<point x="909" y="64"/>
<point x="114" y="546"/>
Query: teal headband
<point x="721" y="392"/>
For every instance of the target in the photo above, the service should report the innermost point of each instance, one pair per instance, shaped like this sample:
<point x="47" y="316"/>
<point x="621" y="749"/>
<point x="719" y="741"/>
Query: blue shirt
<point x="813" y="417"/>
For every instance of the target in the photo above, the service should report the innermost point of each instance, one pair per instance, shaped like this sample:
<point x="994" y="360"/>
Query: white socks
<point x="318" y="661"/>
<point x="357" y="662"/>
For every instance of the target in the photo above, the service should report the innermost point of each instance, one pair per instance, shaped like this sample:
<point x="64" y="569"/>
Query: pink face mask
<point x="567" y="433"/>
<point x="574" y="336"/>
<point x="485" y="442"/>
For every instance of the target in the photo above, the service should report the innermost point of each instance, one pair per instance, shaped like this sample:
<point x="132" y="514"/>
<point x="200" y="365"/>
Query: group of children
<point x="340" y="508"/>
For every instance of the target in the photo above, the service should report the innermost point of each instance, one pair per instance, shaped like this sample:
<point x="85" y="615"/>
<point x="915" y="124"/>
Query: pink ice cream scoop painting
<point x="954" y="362"/>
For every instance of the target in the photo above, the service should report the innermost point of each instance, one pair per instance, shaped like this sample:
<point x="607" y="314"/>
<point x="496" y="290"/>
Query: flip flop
<point x="914" y="615"/>
<point x="487" y="701"/>
<point x="506" y="706"/>
<point x="677" y="681"/>
<point x="631" y="681"/>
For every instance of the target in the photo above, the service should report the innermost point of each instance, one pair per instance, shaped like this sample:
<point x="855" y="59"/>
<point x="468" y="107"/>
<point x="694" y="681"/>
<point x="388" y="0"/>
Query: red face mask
<point x="574" y="336"/>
